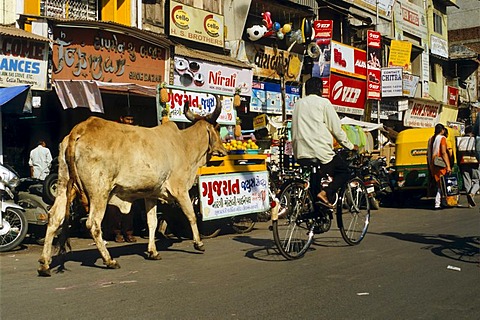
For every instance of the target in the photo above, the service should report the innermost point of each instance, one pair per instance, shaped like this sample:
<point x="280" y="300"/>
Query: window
<point x="437" y="23"/>
<point x="69" y="9"/>
<point x="433" y="72"/>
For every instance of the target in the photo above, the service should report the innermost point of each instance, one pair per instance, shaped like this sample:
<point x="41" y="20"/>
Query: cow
<point x="104" y="162"/>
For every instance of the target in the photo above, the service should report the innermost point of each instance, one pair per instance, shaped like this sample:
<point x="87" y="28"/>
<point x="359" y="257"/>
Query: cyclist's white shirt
<point x="314" y="121"/>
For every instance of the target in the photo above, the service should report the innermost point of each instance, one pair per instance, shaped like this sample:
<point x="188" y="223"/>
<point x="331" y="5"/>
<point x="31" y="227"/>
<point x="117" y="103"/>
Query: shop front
<point x="23" y="84"/>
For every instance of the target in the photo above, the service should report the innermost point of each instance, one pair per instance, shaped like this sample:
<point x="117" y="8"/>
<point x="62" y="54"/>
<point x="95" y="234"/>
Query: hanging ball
<point x="276" y="26"/>
<point x="280" y="35"/>
<point x="286" y="28"/>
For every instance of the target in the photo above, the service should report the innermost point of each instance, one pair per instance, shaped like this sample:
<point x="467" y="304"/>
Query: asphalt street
<point x="415" y="263"/>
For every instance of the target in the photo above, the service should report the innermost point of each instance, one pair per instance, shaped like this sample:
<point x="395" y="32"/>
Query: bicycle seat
<point x="309" y="162"/>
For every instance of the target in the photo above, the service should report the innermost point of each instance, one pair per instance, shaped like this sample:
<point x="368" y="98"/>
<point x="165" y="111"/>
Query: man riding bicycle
<point x="314" y="124"/>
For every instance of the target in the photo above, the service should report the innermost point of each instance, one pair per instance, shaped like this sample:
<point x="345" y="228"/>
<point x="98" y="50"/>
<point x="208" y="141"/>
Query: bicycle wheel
<point x="292" y="233"/>
<point x="353" y="212"/>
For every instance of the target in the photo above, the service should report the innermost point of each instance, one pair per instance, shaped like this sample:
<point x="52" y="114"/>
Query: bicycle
<point x="299" y="219"/>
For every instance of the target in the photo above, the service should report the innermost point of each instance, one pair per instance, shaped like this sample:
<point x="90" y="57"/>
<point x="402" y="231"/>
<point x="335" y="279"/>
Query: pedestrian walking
<point x="39" y="161"/>
<point x="468" y="164"/>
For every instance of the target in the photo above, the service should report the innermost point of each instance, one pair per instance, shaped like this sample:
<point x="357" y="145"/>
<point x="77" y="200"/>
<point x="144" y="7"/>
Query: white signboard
<point x="197" y="74"/>
<point x="199" y="103"/>
<point x="421" y="114"/>
<point x="410" y="83"/>
<point x="425" y="73"/>
<point x="16" y="69"/>
<point x="228" y="195"/>
<point x="412" y="19"/>
<point x="439" y="46"/>
<point x="392" y="82"/>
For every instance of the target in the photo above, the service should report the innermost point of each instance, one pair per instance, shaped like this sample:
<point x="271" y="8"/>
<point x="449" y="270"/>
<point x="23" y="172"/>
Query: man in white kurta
<point x="40" y="159"/>
<point x="314" y="124"/>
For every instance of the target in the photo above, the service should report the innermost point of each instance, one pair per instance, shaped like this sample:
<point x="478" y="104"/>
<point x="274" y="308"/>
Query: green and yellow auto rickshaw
<point x="410" y="172"/>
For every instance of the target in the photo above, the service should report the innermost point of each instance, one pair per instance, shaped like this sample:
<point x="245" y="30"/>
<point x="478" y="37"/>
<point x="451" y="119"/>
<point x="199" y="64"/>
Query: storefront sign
<point x="390" y="110"/>
<point x="410" y="84"/>
<point x="266" y="61"/>
<point x="267" y="98"/>
<point x="412" y="19"/>
<point x="323" y="31"/>
<point x="93" y="54"/>
<point x="23" y="62"/>
<point x="425" y="73"/>
<point x="439" y="46"/>
<point x="196" y="25"/>
<point x="421" y="114"/>
<point x="384" y="7"/>
<point x="198" y="74"/>
<point x="400" y="52"/>
<point x="347" y="94"/>
<point x="348" y="60"/>
<point x="451" y="95"/>
<point x="228" y="195"/>
<point x="392" y="82"/>
<point x="374" y="64"/>
<point x="200" y="103"/>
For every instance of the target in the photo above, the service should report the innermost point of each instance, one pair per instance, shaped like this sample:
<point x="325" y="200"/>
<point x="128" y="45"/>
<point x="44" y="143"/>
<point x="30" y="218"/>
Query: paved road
<point x="402" y="270"/>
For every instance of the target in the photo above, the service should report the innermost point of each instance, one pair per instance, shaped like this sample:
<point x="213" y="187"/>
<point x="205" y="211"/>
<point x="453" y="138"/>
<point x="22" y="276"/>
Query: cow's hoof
<point x="113" y="265"/>
<point x="155" y="256"/>
<point x="44" y="271"/>
<point x="199" y="247"/>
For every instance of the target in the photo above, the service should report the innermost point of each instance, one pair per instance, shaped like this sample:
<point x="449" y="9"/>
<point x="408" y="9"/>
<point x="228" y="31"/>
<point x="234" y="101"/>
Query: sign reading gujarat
<point x="23" y="62"/>
<point x="88" y="54"/>
<point x="196" y="25"/>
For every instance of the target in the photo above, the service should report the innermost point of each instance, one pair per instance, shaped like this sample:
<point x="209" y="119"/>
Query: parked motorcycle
<point x="13" y="223"/>
<point x="377" y="180"/>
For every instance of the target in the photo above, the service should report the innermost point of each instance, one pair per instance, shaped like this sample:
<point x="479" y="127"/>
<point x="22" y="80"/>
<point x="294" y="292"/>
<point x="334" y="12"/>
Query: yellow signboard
<point x="400" y="52"/>
<point x="259" y="122"/>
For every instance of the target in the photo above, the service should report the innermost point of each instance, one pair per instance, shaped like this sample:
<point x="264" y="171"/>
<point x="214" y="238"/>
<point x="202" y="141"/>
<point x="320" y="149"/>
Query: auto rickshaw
<point x="410" y="172"/>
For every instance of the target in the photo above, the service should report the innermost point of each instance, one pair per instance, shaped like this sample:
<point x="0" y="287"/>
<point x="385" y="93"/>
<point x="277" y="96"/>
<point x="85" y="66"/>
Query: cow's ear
<point x="217" y="126"/>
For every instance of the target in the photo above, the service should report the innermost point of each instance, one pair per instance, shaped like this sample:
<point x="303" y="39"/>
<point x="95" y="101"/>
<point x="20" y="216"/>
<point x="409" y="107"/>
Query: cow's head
<point x="215" y="145"/>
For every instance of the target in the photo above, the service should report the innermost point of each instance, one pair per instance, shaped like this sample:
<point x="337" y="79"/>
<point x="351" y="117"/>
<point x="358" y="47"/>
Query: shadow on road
<point x="88" y="257"/>
<point x="465" y="249"/>
<point x="265" y="249"/>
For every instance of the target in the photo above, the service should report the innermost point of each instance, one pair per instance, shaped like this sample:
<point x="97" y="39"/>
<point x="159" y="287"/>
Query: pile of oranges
<point x="240" y="145"/>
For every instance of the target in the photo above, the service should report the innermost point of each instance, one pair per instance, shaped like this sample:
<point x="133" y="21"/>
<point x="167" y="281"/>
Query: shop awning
<point x="127" y="88"/>
<point x="79" y="93"/>
<point x="9" y="103"/>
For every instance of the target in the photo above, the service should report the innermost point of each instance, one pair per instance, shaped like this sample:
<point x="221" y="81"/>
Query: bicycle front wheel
<point x="353" y="212"/>
<point x="293" y="234"/>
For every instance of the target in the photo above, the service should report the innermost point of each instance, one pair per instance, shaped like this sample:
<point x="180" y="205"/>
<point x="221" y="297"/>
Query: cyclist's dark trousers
<point x="338" y="170"/>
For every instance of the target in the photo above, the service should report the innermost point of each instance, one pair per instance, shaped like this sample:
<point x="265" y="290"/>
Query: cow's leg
<point x="151" y="208"/>
<point x="187" y="208"/>
<point x="56" y="215"/>
<point x="94" y="223"/>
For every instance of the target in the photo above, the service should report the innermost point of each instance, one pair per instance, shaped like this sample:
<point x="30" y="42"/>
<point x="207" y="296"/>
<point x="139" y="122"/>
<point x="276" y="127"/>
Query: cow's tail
<point x="73" y="187"/>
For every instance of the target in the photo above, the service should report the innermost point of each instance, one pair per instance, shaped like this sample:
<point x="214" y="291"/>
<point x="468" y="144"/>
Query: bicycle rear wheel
<point x="353" y="212"/>
<point x="292" y="234"/>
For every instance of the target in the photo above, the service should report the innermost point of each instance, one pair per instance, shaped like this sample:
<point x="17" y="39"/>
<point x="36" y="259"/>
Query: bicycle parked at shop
<point x="299" y="218"/>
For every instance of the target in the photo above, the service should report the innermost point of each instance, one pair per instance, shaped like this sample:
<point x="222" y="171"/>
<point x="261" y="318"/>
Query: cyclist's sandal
<point x="323" y="200"/>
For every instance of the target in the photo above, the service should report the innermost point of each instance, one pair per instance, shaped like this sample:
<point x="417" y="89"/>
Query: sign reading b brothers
<point x="196" y="25"/>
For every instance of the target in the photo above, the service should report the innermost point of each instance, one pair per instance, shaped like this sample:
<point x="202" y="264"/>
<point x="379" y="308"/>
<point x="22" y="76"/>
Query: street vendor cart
<point x="231" y="190"/>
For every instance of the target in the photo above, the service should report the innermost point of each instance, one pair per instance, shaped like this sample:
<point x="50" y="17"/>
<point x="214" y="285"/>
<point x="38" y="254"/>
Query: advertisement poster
<point x="198" y="74"/>
<point x="451" y="95"/>
<point x="421" y="114"/>
<point x="196" y="25"/>
<point x="348" y="95"/>
<point x="348" y="60"/>
<point x="392" y="82"/>
<point x="23" y="62"/>
<point x="267" y="98"/>
<point x="410" y="84"/>
<point x="227" y="195"/>
<point x="400" y="52"/>
<point x="200" y="103"/>
<point x="374" y="64"/>
<point x="323" y="30"/>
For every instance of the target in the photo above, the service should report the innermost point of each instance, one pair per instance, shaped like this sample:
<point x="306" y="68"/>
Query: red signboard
<point x="374" y="65"/>
<point x="452" y="95"/>
<point x="347" y="94"/>
<point x="321" y="64"/>
<point x="349" y="60"/>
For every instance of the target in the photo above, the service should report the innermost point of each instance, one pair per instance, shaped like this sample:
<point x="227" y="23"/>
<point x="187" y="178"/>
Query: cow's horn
<point x="212" y="118"/>
<point x="189" y="114"/>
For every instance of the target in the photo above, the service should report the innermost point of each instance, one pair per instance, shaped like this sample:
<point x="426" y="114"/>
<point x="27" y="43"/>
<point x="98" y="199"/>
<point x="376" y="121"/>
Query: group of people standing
<point x="441" y="161"/>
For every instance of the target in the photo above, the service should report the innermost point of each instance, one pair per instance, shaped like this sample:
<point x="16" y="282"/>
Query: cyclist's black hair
<point x="314" y="85"/>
